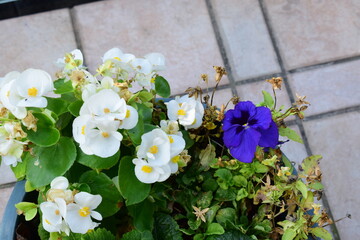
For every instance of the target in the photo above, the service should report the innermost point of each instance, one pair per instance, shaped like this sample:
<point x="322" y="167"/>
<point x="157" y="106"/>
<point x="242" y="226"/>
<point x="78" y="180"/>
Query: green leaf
<point x="101" y="184"/>
<point x="62" y="86"/>
<point x="162" y="87"/>
<point x="131" y="188"/>
<point x="25" y="206"/>
<point x="242" y="193"/>
<point x="74" y="107"/>
<point x="57" y="105"/>
<point x="225" y="178"/>
<point x="207" y="155"/>
<point x="137" y="235"/>
<point x="189" y="142"/>
<point x="98" y="234"/>
<point x="20" y="169"/>
<point x="145" y="96"/>
<point x="30" y="214"/>
<point x="96" y="162"/>
<point x="165" y="227"/>
<point x="291" y="134"/>
<point x="268" y="99"/>
<point x="144" y="112"/>
<point x="316" y="186"/>
<point x="289" y="234"/>
<point x="321" y="233"/>
<point x="232" y="235"/>
<point x="194" y="223"/>
<point x="240" y="181"/>
<point x="215" y="229"/>
<point x="226" y="216"/>
<point x="46" y="134"/>
<point x="142" y="215"/>
<point x="43" y="234"/>
<point x="302" y="188"/>
<point x="50" y="162"/>
<point x="136" y="132"/>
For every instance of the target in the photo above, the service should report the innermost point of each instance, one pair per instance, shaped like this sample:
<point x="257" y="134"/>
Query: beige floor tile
<point x="181" y="30"/>
<point x="329" y="88"/>
<point x="295" y="151"/>
<point x="222" y="97"/>
<point x="253" y="92"/>
<point x="337" y="139"/>
<point x="246" y="38"/>
<point x="4" y="197"/>
<point x="6" y="174"/>
<point x="35" y="41"/>
<point x="310" y="32"/>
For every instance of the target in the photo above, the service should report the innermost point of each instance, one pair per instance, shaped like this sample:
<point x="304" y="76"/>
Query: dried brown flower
<point x="275" y="82"/>
<point x="220" y="72"/>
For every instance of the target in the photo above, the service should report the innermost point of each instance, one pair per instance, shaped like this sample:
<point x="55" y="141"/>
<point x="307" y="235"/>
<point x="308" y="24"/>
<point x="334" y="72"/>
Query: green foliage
<point x="291" y="134"/>
<point x="131" y="188"/>
<point x="96" y="162"/>
<point x="46" y="134"/>
<point x="162" y="87"/>
<point x="98" y="234"/>
<point x="46" y="163"/>
<point x="63" y="86"/>
<point x="268" y="100"/>
<point x="74" y="107"/>
<point x="142" y="214"/>
<point x="28" y="209"/>
<point x="165" y="227"/>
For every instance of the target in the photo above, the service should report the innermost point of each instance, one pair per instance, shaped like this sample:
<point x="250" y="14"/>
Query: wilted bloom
<point x="246" y="127"/>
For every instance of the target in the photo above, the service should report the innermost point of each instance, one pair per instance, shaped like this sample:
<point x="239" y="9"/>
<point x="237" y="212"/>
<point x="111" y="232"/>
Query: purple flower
<point x="246" y="127"/>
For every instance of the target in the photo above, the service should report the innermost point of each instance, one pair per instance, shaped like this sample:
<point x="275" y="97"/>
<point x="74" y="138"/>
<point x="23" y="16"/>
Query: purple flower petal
<point x="244" y="110"/>
<point x="261" y="119"/>
<point x="227" y="121"/>
<point x="270" y="136"/>
<point x="249" y="139"/>
<point x="232" y="137"/>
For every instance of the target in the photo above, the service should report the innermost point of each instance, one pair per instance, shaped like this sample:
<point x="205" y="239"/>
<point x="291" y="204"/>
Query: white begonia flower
<point x="170" y="127"/>
<point x="78" y="214"/>
<point x="131" y="118"/>
<point x="31" y="86"/>
<point x="81" y="125"/>
<point x="77" y="55"/>
<point x="53" y="213"/>
<point x="59" y="183"/>
<point x="104" y="140"/>
<point x="146" y="172"/>
<point x="173" y="164"/>
<point x="165" y="173"/>
<point x="8" y="95"/>
<point x="184" y="111"/>
<point x="108" y="83"/>
<point x="141" y="65"/>
<point x="88" y="90"/>
<point x="199" y="112"/>
<point x="10" y="148"/>
<point x="155" y="148"/>
<point x="144" y="80"/>
<point x="111" y="54"/>
<point x="157" y="60"/>
<point x="9" y="77"/>
<point x="177" y="145"/>
<point x="106" y="105"/>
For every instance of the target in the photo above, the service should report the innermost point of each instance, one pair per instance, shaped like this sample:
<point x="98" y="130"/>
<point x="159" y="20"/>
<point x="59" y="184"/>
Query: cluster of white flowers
<point x="101" y="115"/>
<point x="126" y="66"/>
<point x="66" y="210"/>
<point x="18" y="91"/>
<point x="159" y="152"/>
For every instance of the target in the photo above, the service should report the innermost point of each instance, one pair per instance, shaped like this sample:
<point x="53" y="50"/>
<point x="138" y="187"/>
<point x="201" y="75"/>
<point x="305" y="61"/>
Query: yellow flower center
<point x="117" y="58"/>
<point x="47" y="221"/>
<point x="106" y="110"/>
<point x="57" y="212"/>
<point x="154" y="149"/>
<point x="84" y="211"/>
<point x="171" y="139"/>
<point x="175" y="159"/>
<point x="105" y="134"/>
<point x="146" y="169"/>
<point x="152" y="80"/>
<point x="8" y="93"/>
<point x="32" y="92"/>
<point x="83" y="130"/>
<point x="181" y="112"/>
<point x="127" y="114"/>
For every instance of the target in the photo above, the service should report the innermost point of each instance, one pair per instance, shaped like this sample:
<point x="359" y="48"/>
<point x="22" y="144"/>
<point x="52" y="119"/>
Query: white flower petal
<point x="96" y="215"/>
<point x="131" y="118"/>
<point x="39" y="102"/>
<point x="85" y="199"/>
<point x="59" y="183"/>
<point x="77" y="223"/>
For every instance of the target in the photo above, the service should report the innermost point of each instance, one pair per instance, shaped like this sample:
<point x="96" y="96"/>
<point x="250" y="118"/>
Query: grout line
<point x="324" y="64"/>
<point x="257" y="79"/>
<point x="291" y="96"/>
<point x="333" y="113"/>
<point x="221" y="46"/>
<point x="7" y="185"/>
<point x="74" y="25"/>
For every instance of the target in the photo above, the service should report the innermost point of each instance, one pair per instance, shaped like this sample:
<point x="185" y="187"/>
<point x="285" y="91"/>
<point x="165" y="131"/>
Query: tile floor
<point x="313" y="45"/>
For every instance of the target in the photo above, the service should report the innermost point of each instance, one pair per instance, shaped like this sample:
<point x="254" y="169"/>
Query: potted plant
<point x="108" y="162"/>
